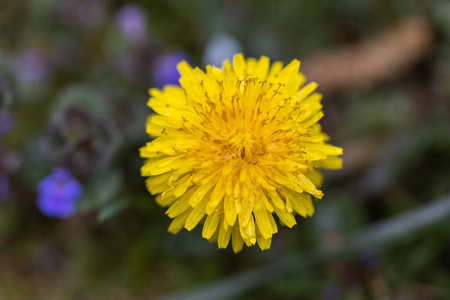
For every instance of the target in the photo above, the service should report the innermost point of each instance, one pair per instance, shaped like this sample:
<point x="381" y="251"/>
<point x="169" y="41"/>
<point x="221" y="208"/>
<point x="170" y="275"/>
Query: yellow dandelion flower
<point x="234" y="146"/>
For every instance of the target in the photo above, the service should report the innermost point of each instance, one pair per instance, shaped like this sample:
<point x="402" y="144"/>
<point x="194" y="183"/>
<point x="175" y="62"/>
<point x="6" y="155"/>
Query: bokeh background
<point x="74" y="76"/>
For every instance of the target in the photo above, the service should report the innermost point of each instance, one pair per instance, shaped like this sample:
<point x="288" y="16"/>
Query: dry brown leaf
<point x="377" y="59"/>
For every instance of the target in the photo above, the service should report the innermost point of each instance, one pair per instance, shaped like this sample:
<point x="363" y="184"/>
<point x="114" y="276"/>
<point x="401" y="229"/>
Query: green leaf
<point x="101" y="190"/>
<point x="111" y="210"/>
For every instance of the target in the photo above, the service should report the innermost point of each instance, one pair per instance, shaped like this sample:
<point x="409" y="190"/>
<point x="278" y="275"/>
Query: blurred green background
<point x="74" y="76"/>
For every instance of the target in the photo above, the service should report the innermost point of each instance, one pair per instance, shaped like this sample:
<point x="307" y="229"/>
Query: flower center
<point x="243" y="145"/>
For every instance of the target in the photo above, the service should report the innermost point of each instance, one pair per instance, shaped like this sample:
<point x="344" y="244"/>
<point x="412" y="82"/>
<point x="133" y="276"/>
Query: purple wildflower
<point x="58" y="194"/>
<point x="6" y="123"/>
<point x="165" y="70"/>
<point x="31" y="67"/>
<point x="132" y="22"/>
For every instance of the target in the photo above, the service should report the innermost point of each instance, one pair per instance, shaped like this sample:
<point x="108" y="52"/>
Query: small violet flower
<point x="165" y="70"/>
<point x="31" y="68"/>
<point x="6" y="123"/>
<point x="58" y="194"/>
<point x="132" y="22"/>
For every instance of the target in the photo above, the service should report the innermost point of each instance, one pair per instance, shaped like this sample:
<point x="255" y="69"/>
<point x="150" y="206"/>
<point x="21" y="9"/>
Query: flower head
<point x="165" y="69"/>
<point x="7" y="122"/>
<point x="236" y="146"/>
<point x="132" y="22"/>
<point x="31" y="68"/>
<point x="58" y="194"/>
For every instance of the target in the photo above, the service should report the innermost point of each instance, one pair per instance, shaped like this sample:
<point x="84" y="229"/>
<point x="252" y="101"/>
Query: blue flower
<point x="132" y="22"/>
<point x="31" y="68"/>
<point x="58" y="194"/>
<point x="165" y="70"/>
<point x="6" y="123"/>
